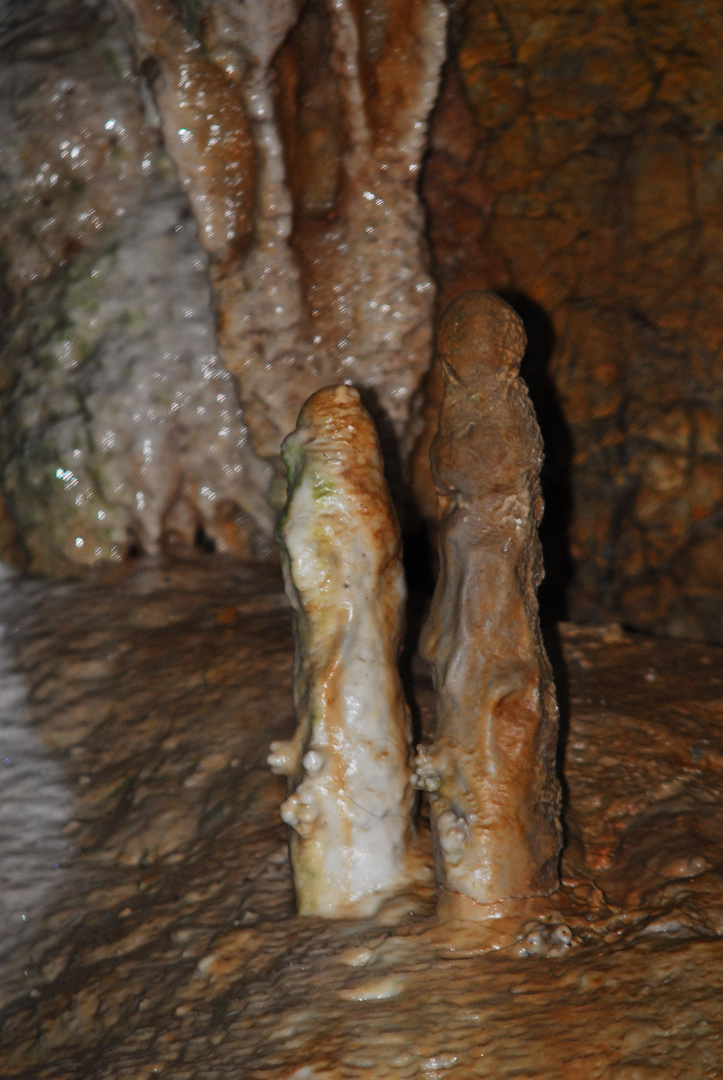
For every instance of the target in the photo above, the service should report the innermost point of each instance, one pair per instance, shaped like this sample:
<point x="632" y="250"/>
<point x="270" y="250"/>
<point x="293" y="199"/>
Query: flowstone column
<point x="298" y="131"/>
<point x="350" y="801"/>
<point x="490" y="771"/>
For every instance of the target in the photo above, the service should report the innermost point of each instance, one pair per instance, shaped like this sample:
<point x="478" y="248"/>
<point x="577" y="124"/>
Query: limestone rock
<point x="350" y="802"/>
<point x="304" y="184"/>
<point x="120" y="430"/>
<point x="576" y="162"/>
<point x="490" y="770"/>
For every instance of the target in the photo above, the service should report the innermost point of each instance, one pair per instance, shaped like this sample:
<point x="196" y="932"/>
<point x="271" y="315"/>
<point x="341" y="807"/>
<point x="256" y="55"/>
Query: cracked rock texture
<point x="577" y="160"/>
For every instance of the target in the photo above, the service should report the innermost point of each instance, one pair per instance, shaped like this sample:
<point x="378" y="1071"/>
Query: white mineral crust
<point x="348" y="765"/>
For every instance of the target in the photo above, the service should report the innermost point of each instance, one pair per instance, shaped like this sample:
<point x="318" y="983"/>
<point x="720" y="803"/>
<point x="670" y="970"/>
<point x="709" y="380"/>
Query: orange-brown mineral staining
<point x="350" y="802"/>
<point x="490" y="770"/>
<point x="576" y="160"/>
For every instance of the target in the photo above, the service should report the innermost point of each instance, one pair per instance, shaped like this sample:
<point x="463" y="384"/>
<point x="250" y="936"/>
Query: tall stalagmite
<point x="348" y="764"/>
<point x="490" y="771"/>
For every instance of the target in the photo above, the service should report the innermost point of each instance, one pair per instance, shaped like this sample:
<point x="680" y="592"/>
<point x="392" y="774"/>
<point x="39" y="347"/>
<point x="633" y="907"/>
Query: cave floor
<point x="162" y="940"/>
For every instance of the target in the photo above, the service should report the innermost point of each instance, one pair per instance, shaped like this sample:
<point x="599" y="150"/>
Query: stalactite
<point x="302" y="299"/>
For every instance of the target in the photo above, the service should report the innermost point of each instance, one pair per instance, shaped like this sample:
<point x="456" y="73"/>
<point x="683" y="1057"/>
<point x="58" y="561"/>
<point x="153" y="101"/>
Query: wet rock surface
<point x="121" y="430"/>
<point x="573" y="163"/>
<point x="160" y="270"/>
<point x="169" y="945"/>
<point x="298" y="134"/>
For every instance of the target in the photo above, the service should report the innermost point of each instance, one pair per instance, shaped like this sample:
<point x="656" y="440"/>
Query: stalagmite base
<point x="350" y="802"/>
<point x="490" y="771"/>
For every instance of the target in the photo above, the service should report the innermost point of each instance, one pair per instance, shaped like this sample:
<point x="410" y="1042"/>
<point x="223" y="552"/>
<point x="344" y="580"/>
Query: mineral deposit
<point x="304" y="184"/>
<point x="490" y="771"/>
<point x="576" y="161"/>
<point x="169" y="944"/>
<point x="350" y="801"/>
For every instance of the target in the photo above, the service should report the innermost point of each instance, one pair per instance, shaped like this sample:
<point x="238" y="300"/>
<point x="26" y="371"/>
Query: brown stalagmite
<point x="490" y="771"/>
<point x="348" y="765"/>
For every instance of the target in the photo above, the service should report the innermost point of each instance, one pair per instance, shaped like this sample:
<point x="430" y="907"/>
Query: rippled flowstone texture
<point x="490" y="772"/>
<point x="170" y="945"/>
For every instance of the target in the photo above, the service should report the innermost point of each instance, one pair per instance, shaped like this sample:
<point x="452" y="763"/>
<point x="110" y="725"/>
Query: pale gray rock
<point x="490" y="772"/>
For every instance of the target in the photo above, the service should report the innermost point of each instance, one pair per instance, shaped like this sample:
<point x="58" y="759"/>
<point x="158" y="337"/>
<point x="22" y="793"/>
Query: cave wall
<point x="120" y="428"/>
<point x="574" y="164"/>
<point x="210" y="210"/>
<point x="577" y="166"/>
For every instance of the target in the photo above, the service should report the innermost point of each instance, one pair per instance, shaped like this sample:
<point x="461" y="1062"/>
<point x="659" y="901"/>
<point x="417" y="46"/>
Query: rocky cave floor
<point x="156" y="935"/>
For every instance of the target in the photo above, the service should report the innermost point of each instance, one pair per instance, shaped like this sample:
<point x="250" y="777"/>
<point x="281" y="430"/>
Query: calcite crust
<point x="490" y="771"/>
<point x="315" y="281"/>
<point x="348" y="765"/>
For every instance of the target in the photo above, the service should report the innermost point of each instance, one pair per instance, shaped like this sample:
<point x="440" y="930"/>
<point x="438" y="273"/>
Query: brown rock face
<point x="150" y="363"/>
<point x="576" y="159"/>
<point x="490" y="771"/>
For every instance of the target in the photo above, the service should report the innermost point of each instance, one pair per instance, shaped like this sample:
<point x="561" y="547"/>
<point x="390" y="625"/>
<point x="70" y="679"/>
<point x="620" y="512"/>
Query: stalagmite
<point x="348" y="765"/>
<point x="490" y="771"/>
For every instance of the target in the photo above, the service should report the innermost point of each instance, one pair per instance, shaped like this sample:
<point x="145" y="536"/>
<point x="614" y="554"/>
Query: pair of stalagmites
<point x="489" y="773"/>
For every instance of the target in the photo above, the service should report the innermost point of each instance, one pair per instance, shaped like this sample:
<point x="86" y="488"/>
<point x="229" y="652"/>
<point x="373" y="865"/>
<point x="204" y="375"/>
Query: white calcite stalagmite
<point x="349" y="800"/>
<point x="490" y="771"/>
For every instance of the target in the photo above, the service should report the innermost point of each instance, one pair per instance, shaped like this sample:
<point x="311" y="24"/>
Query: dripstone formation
<point x="348" y="765"/>
<point x="490" y="771"/>
<point x="208" y="211"/>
